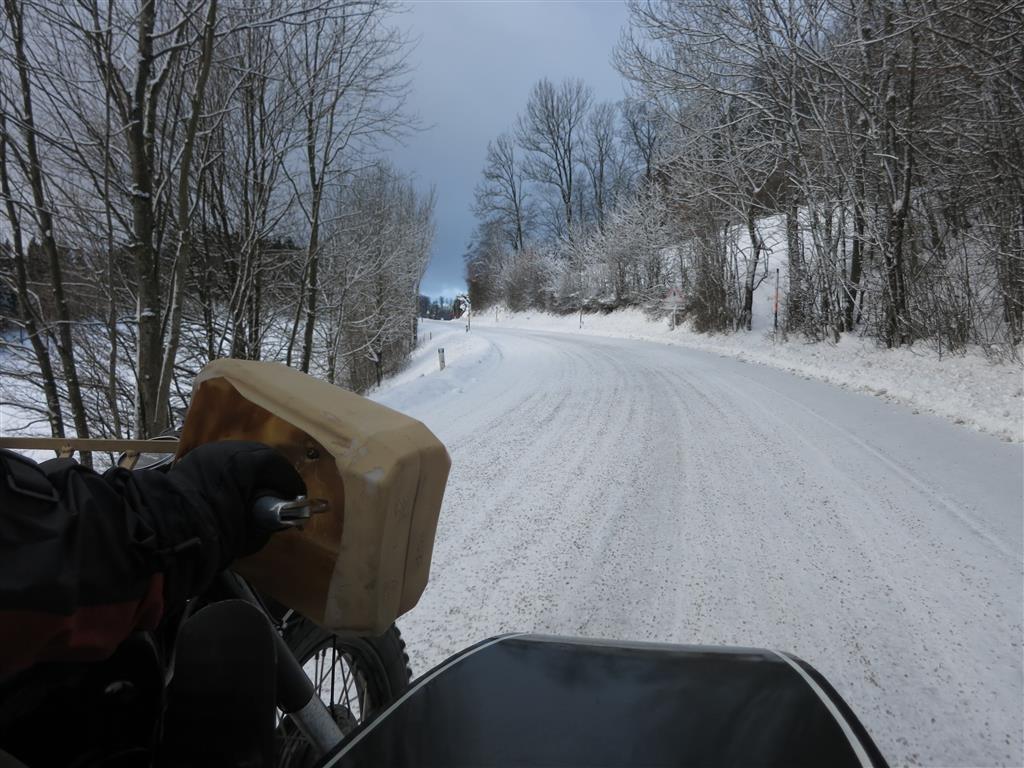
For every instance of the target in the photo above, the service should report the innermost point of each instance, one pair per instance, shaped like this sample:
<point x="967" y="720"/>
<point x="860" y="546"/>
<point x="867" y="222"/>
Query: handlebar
<point x="274" y="514"/>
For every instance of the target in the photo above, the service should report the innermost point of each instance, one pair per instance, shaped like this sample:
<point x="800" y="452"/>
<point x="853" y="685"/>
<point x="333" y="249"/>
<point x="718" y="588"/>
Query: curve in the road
<point x="619" y="489"/>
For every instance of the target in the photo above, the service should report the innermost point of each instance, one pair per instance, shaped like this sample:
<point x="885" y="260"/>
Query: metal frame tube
<point x="296" y="695"/>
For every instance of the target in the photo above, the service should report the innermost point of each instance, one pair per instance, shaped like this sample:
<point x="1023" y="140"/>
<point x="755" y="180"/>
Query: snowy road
<point x="620" y="489"/>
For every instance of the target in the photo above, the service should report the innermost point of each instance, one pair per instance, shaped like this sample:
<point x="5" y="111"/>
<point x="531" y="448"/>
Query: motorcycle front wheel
<point x="355" y="677"/>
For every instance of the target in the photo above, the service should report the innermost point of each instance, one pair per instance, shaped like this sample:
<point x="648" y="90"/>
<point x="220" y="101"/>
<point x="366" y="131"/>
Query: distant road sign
<point x="674" y="298"/>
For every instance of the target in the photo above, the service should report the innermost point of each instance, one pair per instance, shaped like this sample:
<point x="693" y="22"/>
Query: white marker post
<point x="775" y="310"/>
<point x="440" y="356"/>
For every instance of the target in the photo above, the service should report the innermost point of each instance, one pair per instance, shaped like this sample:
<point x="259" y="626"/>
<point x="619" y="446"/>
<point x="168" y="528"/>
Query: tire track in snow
<point x="913" y="584"/>
<point x="620" y="489"/>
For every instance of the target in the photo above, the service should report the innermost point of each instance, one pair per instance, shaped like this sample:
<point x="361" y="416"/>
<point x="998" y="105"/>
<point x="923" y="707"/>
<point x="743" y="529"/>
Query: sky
<point x="474" y="65"/>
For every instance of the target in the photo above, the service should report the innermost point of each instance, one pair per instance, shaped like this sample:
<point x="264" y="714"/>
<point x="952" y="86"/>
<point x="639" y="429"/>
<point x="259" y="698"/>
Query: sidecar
<point x="532" y="700"/>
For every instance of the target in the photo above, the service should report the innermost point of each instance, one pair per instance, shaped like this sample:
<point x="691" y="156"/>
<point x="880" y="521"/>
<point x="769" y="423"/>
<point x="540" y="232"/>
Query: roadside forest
<point x="871" y="151"/>
<point x="182" y="181"/>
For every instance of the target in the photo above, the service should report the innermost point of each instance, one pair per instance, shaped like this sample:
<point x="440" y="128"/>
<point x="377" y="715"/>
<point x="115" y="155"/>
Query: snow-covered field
<point x="617" y="488"/>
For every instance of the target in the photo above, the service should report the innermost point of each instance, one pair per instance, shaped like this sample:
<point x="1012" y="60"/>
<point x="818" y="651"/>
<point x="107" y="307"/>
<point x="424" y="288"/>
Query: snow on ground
<point x="616" y="488"/>
<point x="461" y="349"/>
<point x="22" y="404"/>
<point x="609" y="487"/>
<point x="968" y="389"/>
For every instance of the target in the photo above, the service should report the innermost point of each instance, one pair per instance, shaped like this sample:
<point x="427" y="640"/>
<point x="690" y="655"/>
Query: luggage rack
<point x="65" y="447"/>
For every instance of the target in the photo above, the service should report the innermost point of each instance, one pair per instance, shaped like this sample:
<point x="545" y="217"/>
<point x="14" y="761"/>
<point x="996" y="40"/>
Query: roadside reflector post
<point x="775" y="311"/>
<point x="440" y="356"/>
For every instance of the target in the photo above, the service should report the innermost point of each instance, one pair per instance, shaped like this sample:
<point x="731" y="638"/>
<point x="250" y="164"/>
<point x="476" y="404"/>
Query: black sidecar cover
<point x="530" y="700"/>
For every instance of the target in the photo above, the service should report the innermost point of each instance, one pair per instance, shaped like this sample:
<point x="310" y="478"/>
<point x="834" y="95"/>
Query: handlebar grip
<point x="265" y="512"/>
<point x="273" y="514"/>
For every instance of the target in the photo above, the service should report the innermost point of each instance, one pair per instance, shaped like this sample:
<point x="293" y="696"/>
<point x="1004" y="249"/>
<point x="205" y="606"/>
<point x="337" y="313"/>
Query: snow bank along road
<point x="619" y="489"/>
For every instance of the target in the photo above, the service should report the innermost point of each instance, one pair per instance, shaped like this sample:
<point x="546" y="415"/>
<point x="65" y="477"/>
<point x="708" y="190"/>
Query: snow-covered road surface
<point x="620" y="489"/>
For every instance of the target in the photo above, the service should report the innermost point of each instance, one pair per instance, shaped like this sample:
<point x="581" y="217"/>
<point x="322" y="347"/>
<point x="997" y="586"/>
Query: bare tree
<point x="42" y="214"/>
<point x="641" y="134"/>
<point x="182" y="154"/>
<point x="349" y="70"/>
<point x="501" y="195"/>
<point x="29" y="315"/>
<point x="600" y="158"/>
<point x="550" y="133"/>
<point x="375" y="252"/>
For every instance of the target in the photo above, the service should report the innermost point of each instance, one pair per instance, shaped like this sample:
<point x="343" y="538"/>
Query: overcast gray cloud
<point x="474" y="66"/>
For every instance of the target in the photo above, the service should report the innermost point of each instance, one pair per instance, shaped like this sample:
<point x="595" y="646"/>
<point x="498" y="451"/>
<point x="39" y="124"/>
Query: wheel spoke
<point x="352" y="666"/>
<point x="344" y="682"/>
<point x="334" y="654"/>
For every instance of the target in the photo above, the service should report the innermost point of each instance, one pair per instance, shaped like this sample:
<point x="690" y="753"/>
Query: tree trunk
<point x="147" y="267"/>
<point x="311" y="298"/>
<point x="794" y="297"/>
<point x="112" y="332"/>
<point x="184" y="213"/>
<point x="54" y="413"/>
<point x="756" y="246"/>
<point x="298" y="315"/>
<point x="44" y="221"/>
<point x="856" y="263"/>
